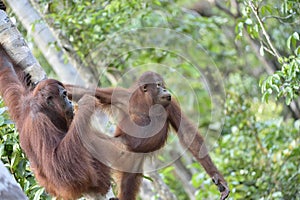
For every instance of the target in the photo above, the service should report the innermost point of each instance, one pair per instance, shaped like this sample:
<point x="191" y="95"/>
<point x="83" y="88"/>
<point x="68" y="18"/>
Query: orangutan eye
<point x="145" y="88"/>
<point x="64" y="94"/>
<point x="49" y="100"/>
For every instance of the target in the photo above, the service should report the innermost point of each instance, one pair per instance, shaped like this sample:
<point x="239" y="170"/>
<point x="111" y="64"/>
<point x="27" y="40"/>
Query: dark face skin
<point x="68" y="106"/>
<point x="65" y="105"/>
<point x="158" y="92"/>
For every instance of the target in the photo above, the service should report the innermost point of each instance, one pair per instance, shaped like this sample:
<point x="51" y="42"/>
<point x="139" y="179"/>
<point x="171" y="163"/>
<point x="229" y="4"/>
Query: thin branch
<point x="255" y="11"/>
<point x="294" y="108"/>
<point x="261" y="147"/>
<point x="223" y="8"/>
<point x="226" y="10"/>
<point x="269" y="51"/>
<point x="268" y="67"/>
<point x="238" y="9"/>
<point x="280" y="19"/>
<point x="183" y="174"/>
<point x="159" y="185"/>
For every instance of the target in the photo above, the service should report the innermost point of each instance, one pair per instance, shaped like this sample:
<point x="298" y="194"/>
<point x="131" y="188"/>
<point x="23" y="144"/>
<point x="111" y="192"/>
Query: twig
<point x="278" y="18"/>
<point x="258" y="141"/>
<point x="255" y="11"/>
<point x="226" y="10"/>
<point x="268" y="50"/>
<point x="268" y="67"/>
<point x="238" y="9"/>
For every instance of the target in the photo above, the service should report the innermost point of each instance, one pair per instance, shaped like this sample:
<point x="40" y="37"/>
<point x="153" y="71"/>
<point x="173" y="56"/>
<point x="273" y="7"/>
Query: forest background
<point x="233" y="66"/>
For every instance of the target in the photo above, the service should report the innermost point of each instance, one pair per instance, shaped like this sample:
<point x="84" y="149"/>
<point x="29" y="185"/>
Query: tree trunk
<point x="9" y="189"/>
<point x="15" y="46"/>
<point x="86" y="72"/>
<point x="150" y="190"/>
<point x="43" y="38"/>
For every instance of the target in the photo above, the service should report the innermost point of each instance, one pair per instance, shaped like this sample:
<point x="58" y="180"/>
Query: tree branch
<point x="183" y="174"/>
<point x="86" y="72"/>
<point x="255" y="11"/>
<point x="158" y="184"/>
<point x="268" y="67"/>
<point x="9" y="189"/>
<point x="43" y="37"/>
<point x="17" y="49"/>
<point x="226" y="10"/>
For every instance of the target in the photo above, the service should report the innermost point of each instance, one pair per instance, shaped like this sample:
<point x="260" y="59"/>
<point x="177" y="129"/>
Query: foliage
<point x="14" y="159"/>
<point x="170" y="178"/>
<point x="96" y="22"/>
<point x="262" y="162"/>
<point x="284" y="82"/>
<point x="258" y="150"/>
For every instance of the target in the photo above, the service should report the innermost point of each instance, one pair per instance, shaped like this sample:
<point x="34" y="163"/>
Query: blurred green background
<point x="247" y="52"/>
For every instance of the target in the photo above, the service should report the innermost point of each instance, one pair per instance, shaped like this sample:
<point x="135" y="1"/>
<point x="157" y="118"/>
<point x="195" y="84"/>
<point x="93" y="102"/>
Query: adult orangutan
<point x="50" y="135"/>
<point x="146" y="111"/>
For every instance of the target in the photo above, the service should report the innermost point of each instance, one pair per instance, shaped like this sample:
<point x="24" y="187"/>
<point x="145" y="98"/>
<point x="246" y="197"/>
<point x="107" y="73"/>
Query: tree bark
<point x="9" y="189"/>
<point x="183" y="174"/>
<point x="17" y="49"/>
<point x="162" y="189"/>
<point x="86" y="72"/>
<point x="43" y="38"/>
<point x="157" y="186"/>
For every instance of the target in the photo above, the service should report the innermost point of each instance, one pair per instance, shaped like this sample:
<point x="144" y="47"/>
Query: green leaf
<point x="261" y="82"/>
<point x="157" y="2"/>
<point x="38" y="194"/>
<point x="266" y="8"/>
<point x="275" y="87"/>
<point x="288" y="42"/>
<point x="270" y="81"/>
<point x="148" y="178"/>
<point x="297" y="51"/>
<point x="280" y="60"/>
<point x="2" y="110"/>
<point x="276" y="77"/>
<point x="248" y="21"/>
<point x="296" y="36"/>
<point x="168" y="169"/>
<point x="261" y="50"/>
<point x="2" y="120"/>
<point x="288" y="101"/>
<point x="294" y="42"/>
<point x="270" y="91"/>
<point x="265" y="97"/>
